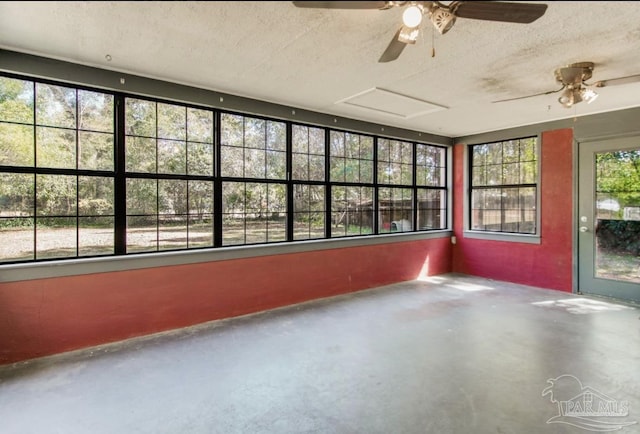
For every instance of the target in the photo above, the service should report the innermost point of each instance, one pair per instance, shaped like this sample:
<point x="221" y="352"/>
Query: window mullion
<point x="120" y="182"/>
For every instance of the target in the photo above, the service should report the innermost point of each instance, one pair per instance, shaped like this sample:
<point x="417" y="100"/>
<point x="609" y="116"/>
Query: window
<point x="504" y="186"/>
<point x="169" y="176"/>
<point x="395" y="167"/>
<point x="56" y="171"/>
<point x="253" y="212"/>
<point x="431" y="182"/>
<point x="308" y="150"/>
<point x="351" y="175"/>
<point x="85" y="173"/>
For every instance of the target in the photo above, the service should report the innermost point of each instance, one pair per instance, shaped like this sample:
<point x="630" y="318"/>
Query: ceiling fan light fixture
<point x="570" y="96"/>
<point x="412" y="16"/>
<point x="408" y="35"/>
<point x="442" y="20"/>
<point x="588" y="95"/>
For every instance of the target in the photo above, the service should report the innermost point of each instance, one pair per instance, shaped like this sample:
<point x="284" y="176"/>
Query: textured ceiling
<point x="318" y="59"/>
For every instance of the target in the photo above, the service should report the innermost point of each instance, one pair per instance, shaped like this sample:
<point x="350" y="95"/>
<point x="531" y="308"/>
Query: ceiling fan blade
<point x="394" y="49"/>
<point x="342" y="5"/>
<point x="499" y="11"/>
<point x="530" y="96"/>
<point x="617" y="81"/>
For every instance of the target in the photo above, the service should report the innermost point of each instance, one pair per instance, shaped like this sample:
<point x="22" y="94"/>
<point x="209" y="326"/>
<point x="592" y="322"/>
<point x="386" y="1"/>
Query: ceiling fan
<point x="573" y="79"/>
<point x="441" y="15"/>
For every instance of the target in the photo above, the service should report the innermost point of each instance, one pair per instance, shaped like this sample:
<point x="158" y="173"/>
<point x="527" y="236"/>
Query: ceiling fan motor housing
<point x="575" y="73"/>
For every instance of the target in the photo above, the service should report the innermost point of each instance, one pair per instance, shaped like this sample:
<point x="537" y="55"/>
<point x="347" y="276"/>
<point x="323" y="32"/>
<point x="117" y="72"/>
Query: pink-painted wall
<point x="548" y="264"/>
<point x="48" y="316"/>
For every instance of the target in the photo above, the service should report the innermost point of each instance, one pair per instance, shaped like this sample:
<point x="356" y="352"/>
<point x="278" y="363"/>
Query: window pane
<point x="255" y="133"/>
<point x="142" y="197"/>
<point x="253" y="213"/>
<point x="16" y="100"/>
<point x="300" y="139"/>
<point x="233" y="213"/>
<point x="308" y="208"/>
<point x="351" y="211"/>
<point x="16" y="145"/>
<point x="494" y="174"/>
<point x="140" y="154"/>
<point x="511" y="173"/>
<point x="395" y="162"/>
<point x="172" y="232"/>
<point x="16" y="239"/>
<point x="232" y="161"/>
<point x="276" y="165"/>
<point x="55" y="106"/>
<point x="95" y="111"/>
<point x="56" y="237"/>
<point x="254" y="163"/>
<point x="95" y="196"/>
<point x="199" y="159"/>
<point x="395" y="206"/>
<point x="56" y="195"/>
<point x="199" y="125"/>
<point x="16" y="221"/>
<point x="201" y="230"/>
<point x="432" y="209"/>
<point x="140" y="117"/>
<point x="337" y="169"/>
<point x="316" y="168"/>
<point x="430" y="166"/>
<point x="142" y="234"/>
<point x="56" y="147"/>
<point x="528" y="172"/>
<point x="276" y="136"/>
<point x="200" y="214"/>
<point x="95" y="236"/>
<point x="300" y="166"/>
<point x="172" y="196"/>
<point x="316" y="141"/>
<point x="16" y="194"/>
<point x="276" y="212"/>
<point x="96" y="151"/>
<point x="231" y="130"/>
<point x="172" y="157"/>
<point x="172" y="122"/>
<point x="200" y="197"/>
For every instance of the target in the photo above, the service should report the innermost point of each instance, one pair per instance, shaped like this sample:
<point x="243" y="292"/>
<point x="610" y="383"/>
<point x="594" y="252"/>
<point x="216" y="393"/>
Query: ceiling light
<point x="442" y="20"/>
<point x="573" y="94"/>
<point x="408" y="35"/>
<point x="588" y="95"/>
<point x="570" y="96"/>
<point x="412" y="16"/>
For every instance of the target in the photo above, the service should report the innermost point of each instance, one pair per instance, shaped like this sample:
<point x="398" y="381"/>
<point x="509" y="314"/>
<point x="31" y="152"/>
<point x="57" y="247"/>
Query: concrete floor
<point x="452" y="354"/>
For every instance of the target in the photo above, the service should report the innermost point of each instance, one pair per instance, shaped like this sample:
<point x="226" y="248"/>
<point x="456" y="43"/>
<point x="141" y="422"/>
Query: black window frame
<point x="122" y="175"/>
<point x="482" y="185"/>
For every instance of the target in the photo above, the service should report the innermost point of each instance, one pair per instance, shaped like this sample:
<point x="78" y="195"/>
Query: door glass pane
<point x="618" y="215"/>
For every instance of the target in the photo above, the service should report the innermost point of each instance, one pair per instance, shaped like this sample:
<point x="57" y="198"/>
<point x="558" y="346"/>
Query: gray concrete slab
<point x="450" y="354"/>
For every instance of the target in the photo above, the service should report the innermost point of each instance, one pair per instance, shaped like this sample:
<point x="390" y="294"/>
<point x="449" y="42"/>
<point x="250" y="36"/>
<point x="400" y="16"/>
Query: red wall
<point x="546" y="265"/>
<point x="48" y="316"/>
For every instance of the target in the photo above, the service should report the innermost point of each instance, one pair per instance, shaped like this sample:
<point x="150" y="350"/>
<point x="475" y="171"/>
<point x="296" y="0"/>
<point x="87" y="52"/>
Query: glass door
<point x="609" y="218"/>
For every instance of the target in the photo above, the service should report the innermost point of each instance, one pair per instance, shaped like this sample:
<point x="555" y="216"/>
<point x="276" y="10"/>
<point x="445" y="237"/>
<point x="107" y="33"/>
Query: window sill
<point x="79" y="266"/>
<point x="501" y="236"/>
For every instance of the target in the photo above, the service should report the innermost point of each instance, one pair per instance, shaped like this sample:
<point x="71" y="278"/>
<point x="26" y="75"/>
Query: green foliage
<point x="619" y="236"/>
<point x="16" y="223"/>
<point x="618" y="173"/>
